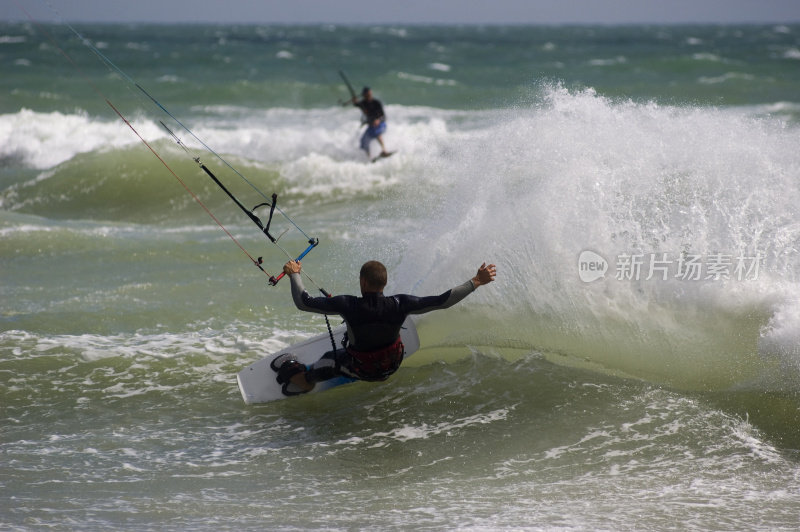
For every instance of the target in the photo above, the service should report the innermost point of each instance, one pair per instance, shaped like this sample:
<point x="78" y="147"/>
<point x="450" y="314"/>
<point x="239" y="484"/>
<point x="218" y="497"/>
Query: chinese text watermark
<point x="662" y="266"/>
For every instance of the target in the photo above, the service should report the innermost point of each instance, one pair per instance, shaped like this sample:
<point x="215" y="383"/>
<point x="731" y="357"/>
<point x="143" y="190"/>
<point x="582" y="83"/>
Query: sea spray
<point x="644" y="182"/>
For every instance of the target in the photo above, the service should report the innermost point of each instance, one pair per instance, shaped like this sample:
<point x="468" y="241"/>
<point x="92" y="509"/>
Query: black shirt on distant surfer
<point x="372" y="109"/>
<point x="375" y="120"/>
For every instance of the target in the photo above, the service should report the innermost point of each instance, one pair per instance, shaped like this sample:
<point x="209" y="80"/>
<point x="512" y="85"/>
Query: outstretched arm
<point x="420" y="305"/>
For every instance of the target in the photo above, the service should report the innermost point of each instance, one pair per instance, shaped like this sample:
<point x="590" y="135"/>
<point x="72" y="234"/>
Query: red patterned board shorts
<point x="376" y="365"/>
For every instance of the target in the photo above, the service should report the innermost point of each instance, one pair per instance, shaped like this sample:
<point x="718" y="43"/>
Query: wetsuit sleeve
<point x="303" y="301"/>
<point x="421" y="305"/>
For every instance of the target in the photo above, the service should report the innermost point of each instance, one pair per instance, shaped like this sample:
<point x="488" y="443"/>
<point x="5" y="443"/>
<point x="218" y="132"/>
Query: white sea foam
<point x="619" y="60"/>
<point x="728" y="76"/>
<point x="414" y="432"/>
<point x="12" y="39"/>
<point x="706" y="56"/>
<point x="417" y="78"/>
<point x="94" y="347"/>
<point x="792" y="53"/>
<point x="43" y="140"/>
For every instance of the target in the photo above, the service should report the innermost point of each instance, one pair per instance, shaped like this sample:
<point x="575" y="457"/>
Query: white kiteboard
<point x="258" y="383"/>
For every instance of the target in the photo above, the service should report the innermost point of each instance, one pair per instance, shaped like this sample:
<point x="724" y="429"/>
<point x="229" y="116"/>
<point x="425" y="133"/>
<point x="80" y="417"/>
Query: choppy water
<point x="661" y="396"/>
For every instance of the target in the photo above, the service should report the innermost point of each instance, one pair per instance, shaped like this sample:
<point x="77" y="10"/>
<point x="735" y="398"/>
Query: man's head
<point x="366" y="92"/>
<point x="373" y="276"/>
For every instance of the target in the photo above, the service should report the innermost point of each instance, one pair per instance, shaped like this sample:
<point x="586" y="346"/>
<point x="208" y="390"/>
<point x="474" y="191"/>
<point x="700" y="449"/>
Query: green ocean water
<point x="454" y="68"/>
<point x="645" y="398"/>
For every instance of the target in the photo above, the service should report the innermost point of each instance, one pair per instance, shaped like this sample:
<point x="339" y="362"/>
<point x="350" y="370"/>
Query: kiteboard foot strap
<point x="287" y="366"/>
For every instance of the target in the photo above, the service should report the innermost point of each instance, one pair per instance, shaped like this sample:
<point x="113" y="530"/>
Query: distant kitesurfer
<point x="374" y="118"/>
<point x="374" y="350"/>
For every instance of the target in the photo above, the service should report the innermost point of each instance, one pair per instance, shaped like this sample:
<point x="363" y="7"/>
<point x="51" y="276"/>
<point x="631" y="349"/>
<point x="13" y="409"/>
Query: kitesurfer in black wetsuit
<point x="375" y="120"/>
<point x="374" y="350"/>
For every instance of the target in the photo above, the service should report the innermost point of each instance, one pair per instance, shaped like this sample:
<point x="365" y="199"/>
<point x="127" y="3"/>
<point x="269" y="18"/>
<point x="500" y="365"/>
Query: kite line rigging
<point x="312" y="242"/>
<point x="269" y="201"/>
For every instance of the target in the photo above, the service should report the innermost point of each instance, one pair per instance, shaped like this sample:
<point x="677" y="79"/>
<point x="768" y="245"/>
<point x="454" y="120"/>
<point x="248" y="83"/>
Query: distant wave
<point x="44" y="140"/>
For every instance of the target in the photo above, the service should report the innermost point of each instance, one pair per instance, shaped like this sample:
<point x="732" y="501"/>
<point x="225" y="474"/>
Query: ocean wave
<point x="12" y="39"/>
<point x="727" y="77"/>
<point x="100" y="170"/>
<point x="417" y="78"/>
<point x="792" y="53"/>
<point x="43" y="140"/>
<point x="530" y="188"/>
<point x="619" y="60"/>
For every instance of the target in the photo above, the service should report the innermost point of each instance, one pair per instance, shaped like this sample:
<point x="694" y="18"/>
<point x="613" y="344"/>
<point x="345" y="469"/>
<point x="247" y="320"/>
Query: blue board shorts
<point x="372" y="133"/>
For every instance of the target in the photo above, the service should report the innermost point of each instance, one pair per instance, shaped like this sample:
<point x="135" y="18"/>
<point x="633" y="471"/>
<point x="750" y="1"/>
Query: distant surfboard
<point x="258" y="383"/>
<point x="383" y="155"/>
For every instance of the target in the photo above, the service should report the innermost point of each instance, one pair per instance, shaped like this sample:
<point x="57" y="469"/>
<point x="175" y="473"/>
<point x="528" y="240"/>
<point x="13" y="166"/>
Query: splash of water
<point x="633" y="183"/>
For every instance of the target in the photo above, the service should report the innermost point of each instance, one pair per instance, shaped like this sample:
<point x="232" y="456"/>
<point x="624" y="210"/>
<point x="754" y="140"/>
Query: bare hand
<point x="485" y="275"/>
<point x="293" y="266"/>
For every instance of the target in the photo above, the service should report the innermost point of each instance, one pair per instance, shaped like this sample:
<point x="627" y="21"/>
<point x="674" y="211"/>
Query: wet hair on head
<point x="374" y="273"/>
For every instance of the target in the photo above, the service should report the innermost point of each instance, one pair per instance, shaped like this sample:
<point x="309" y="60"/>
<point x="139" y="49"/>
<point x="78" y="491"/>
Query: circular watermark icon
<point x="591" y="266"/>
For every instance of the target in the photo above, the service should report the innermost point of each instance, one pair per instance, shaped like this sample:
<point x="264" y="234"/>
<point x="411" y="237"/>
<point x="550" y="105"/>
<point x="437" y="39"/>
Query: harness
<point x="376" y="365"/>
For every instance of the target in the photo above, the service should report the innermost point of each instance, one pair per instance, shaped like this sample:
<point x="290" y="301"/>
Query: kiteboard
<point x="383" y="155"/>
<point x="258" y="381"/>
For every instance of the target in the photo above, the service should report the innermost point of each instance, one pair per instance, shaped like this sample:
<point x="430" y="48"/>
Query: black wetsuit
<point x="373" y="322"/>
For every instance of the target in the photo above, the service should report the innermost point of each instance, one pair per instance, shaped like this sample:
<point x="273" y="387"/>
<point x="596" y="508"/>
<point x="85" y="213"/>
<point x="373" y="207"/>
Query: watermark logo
<point x="662" y="266"/>
<point x="591" y="266"/>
